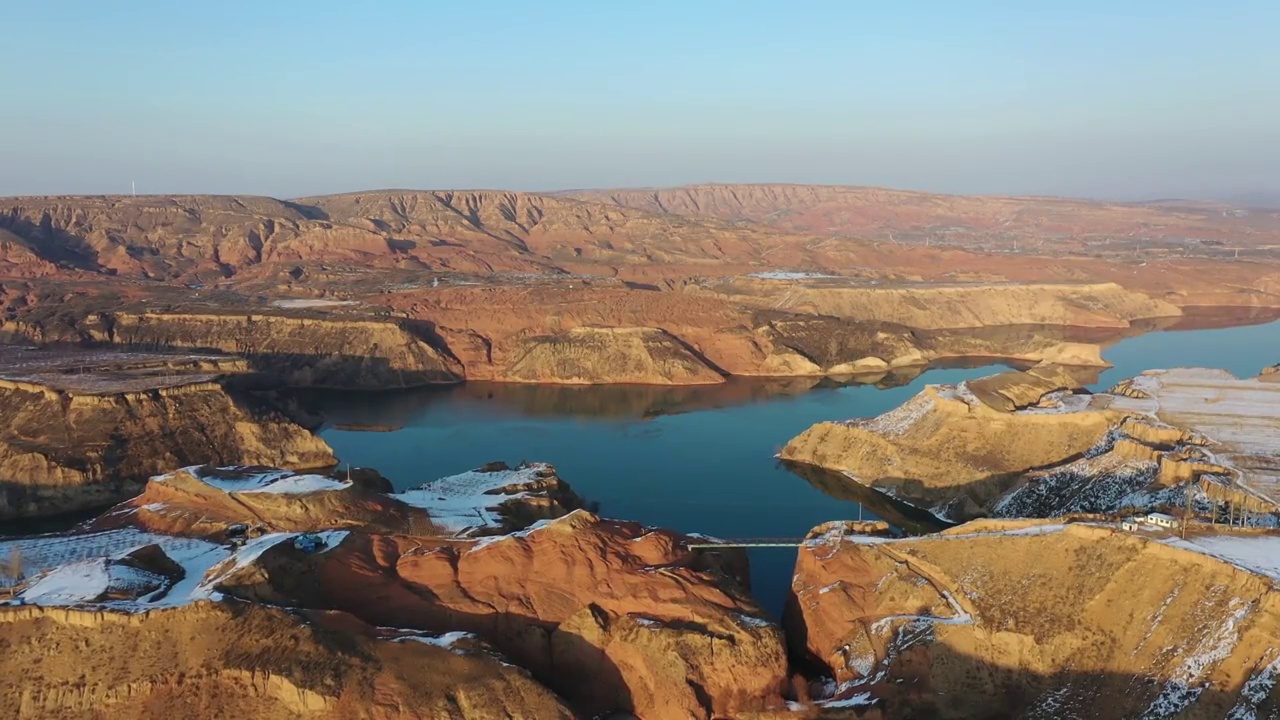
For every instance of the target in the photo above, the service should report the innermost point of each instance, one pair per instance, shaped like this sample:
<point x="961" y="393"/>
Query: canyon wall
<point x="64" y="452"/>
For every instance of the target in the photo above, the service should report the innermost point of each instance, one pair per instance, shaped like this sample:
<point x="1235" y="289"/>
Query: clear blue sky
<point x="1104" y="99"/>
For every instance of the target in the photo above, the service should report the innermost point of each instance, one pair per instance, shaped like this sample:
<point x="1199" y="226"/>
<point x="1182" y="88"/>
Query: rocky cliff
<point x="64" y="451"/>
<point x="612" y="615"/>
<point x="637" y="356"/>
<point x="1021" y="620"/>
<point x="349" y="352"/>
<point x="304" y="351"/>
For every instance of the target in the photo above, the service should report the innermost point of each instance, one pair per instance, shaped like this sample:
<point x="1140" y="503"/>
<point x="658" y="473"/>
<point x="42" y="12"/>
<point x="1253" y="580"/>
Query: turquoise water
<point x="693" y="459"/>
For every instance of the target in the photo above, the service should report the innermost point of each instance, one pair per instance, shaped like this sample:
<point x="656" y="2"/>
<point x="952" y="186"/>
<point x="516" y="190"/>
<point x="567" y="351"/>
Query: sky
<point x="1117" y="100"/>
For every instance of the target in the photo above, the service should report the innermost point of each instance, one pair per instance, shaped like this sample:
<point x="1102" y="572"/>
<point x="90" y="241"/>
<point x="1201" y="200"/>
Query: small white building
<point x="1138" y="522"/>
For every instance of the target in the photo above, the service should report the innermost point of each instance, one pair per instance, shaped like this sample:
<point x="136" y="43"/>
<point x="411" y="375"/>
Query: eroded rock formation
<point x="638" y="356"/>
<point x="948" y="450"/>
<point x="656" y="629"/>
<point x="1026" y="620"/>
<point x="296" y="349"/>
<point x="612" y="615"/>
<point x="211" y="502"/>
<point x="69" y="450"/>
<point x="1022" y="445"/>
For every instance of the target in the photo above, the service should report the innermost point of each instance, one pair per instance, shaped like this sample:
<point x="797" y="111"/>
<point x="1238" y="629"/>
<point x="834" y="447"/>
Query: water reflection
<point x="389" y="411"/>
<point x="911" y="520"/>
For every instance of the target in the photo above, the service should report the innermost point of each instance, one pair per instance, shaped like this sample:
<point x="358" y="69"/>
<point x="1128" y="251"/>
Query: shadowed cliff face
<point x="297" y="350"/>
<point x="63" y="452"/>
<point x="1023" y="620"/>
<point x="307" y="352"/>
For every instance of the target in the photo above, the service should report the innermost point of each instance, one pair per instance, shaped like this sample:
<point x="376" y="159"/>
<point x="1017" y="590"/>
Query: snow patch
<point x="791" y="275"/>
<point x="1184" y="685"/>
<point x="1255" y="691"/>
<point x="41" y="553"/>
<point x="754" y="622"/>
<point x="898" y="421"/>
<point x="87" y="581"/>
<point x="447" y="641"/>
<point x="863" y="699"/>
<point x="301" y="303"/>
<point x="465" y="503"/>
<point x="1061" y="402"/>
<point x="1258" y="554"/>
<point x="237" y="480"/>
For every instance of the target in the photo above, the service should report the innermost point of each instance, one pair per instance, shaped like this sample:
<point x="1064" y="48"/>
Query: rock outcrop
<point x="948" y="450"/>
<point x="296" y="348"/>
<point x="612" y="615"/>
<point x="211" y="659"/>
<point x="1021" y="444"/>
<point x="589" y="355"/>
<point x="1026" y="620"/>
<point x="215" y="502"/>
<point x="71" y="442"/>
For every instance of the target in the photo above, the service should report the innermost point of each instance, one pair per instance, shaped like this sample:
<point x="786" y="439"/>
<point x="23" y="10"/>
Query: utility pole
<point x="1186" y="510"/>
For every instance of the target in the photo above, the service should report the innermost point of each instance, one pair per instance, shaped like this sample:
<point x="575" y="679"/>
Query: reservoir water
<point x="696" y="459"/>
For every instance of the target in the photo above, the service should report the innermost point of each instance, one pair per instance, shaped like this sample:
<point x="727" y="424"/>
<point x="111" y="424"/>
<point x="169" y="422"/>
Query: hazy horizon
<point x="1257" y="201"/>
<point x="1153" y="100"/>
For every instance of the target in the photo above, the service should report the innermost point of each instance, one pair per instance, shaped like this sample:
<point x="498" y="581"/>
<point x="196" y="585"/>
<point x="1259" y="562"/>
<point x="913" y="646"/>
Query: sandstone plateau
<point x="1024" y="444"/>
